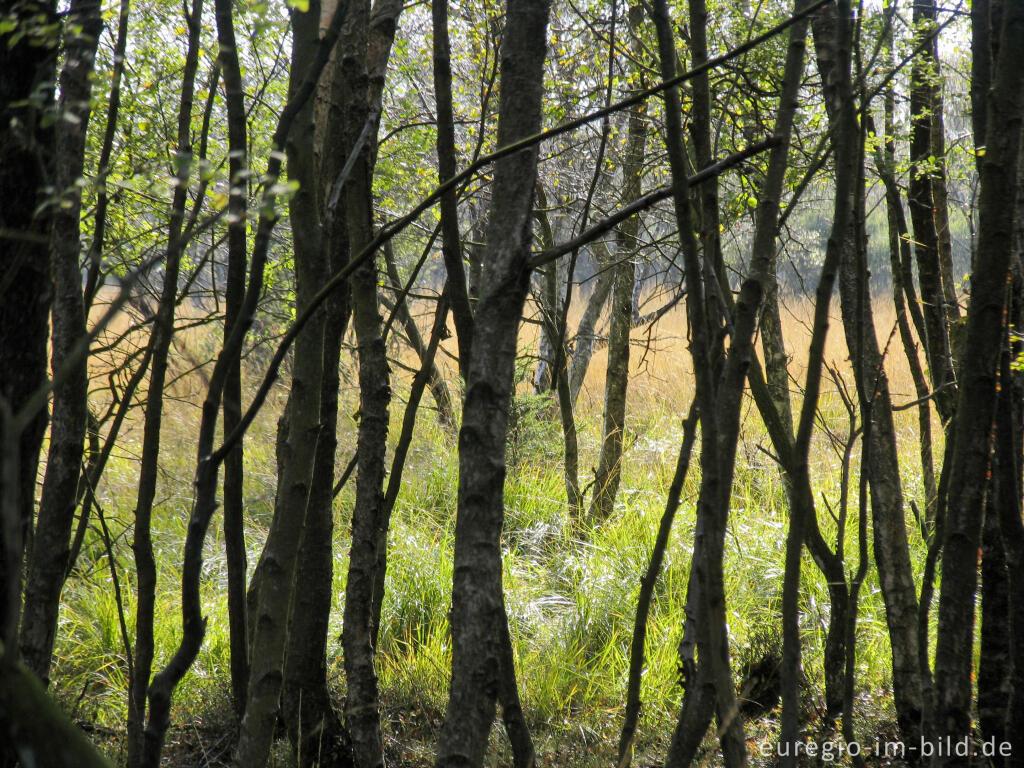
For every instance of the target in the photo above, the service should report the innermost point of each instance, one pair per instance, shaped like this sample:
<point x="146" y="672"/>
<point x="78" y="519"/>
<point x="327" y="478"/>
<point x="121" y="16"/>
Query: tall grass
<point x="570" y="586"/>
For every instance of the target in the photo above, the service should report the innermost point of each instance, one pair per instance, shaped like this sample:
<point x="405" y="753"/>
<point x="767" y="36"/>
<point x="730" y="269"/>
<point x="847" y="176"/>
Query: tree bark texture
<point x="364" y="51"/>
<point x="993" y="682"/>
<point x="27" y="66"/>
<point x="719" y="389"/>
<point x="976" y="404"/>
<point x="361" y="705"/>
<point x="234" y="521"/>
<point x="922" y="205"/>
<point x="892" y="554"/>
<point x="52" y="538"/>
<point x="163" y="333"/>
<point x="275" y="576"/>
<point x="209" y="458"/>
<point x="609" y="467"/>
<point x="586" y="331"/>
<point x="478" y="616"/>
<point x="451" y="248"/>
<point x="1010" y="448"/>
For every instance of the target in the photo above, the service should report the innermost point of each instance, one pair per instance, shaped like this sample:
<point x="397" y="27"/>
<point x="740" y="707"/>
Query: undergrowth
<point x="570" y="585"/>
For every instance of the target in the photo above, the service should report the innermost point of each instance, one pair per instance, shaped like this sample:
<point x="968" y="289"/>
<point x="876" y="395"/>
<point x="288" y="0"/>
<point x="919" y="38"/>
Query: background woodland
<point x="527" y="383"/>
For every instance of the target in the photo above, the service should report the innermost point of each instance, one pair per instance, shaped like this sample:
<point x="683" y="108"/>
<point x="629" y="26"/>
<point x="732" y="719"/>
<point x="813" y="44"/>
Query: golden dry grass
<point x="661" y="382"/>
<point x="662" y="369"/>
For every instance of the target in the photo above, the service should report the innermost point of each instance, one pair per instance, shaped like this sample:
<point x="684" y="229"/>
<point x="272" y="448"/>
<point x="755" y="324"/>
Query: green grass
<point x="570" y="588"/>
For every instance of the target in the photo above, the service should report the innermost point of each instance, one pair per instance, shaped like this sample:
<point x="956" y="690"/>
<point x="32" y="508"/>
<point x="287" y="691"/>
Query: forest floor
<point x="570" y="584"/>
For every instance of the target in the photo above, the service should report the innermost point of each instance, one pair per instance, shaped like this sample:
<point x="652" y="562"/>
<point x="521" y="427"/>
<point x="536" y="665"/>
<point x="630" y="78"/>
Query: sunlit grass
<point x="570" y="585"/>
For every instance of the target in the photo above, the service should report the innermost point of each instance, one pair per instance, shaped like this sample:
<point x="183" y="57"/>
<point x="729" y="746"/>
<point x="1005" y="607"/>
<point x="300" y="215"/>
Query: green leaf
<point x="302" y="6"/>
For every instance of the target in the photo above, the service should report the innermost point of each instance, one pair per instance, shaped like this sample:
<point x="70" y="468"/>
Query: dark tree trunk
<point x="265" y="681"/>
<point x="609" y="467"/>
<point x="1007" y="479"/>
<point x="586" y="331"/>
<point x="106" y="149"/>
<point x="993" y="683"/>
<point x="27" y="70"/>
<point x="719" y="389"/>
<point x="892" y="554"/>
<point x="234" y="521"/>
<point x="451" y="240"/>
<point x="553" y="334"/>
<point x="363" y="80"/>
<point x="314" y="727"/>
<point x="419" y="383"/>
<point x="1010" y="448"/>
<point x="803" y="520"/>
<point x="163" y="332"/>
<point x="981" y="72"/>
<point x="631" y="717"/>
<point x="898" y="255"/>
<point x="34" y="726"/>
<point x="478" y="615"/>
<point x="548" y="301"/>
<point x="361" y="704"/>
<point x="976" y="404"/>
<point x="48" y="566"/>
<point x="922" y="205"/>
<point x="276" y="577"/>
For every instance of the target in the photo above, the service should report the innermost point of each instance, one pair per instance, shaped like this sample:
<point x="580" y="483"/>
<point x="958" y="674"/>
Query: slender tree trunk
<point x="106" y="149"/>
<point x="48" y="566"/>
<point x="314" y="727"/>
<point x="438" y="386"/>
<point x="208" y="460"/>
<point x="994" y="689"/>
<point x="773" y="345"/>
<point x="856" y="581"/>
<point x="940" y="199"/>
<point x="362" y="86"/>
<point x="925" y="16"/>
<point x="419" y="383"/>
<point x="163" y="332"/>
<point x="451" y="241"/>
<point x="924" y="70"/>
<point x="477" y="616"/>
<point x="803" y="519"/>
<point x="981" y="73"/>
<point x="719" y="390"/>
<point x="543" y="381"/>
<point x="1010" y="434"/>
<point x="361" y="704"/>
<point x="298" y="446"/>
<point x="631" y="718"/>
<point x="892" y="554"/>
<point x="234" y="521"/>
<point x="552" y="312"/>
<point x="898" y="251"/>
<point x="1007" y="473"/>
<point x="609" y="467"/>
<point x="586" y="331"/>
<point x="699" y="697"/>
<point x="1000" y="535"/>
